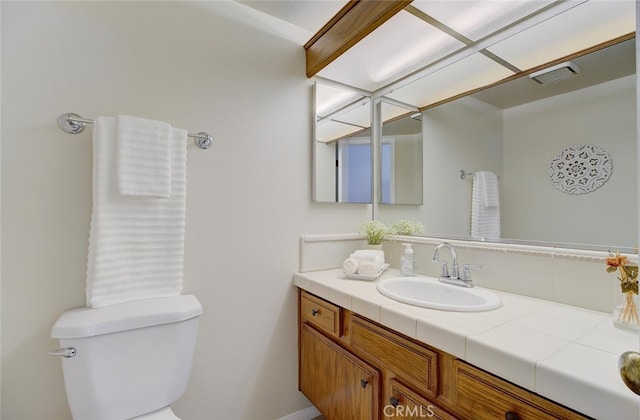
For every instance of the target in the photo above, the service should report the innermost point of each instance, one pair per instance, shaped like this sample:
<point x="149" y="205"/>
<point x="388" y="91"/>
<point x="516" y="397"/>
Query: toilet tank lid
<point x="88" y="322"/>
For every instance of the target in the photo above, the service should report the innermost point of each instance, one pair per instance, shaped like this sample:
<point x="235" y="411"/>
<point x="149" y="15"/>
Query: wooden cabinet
<point x="482" y="396"/>
<point x="339" y="384"/>
<point x="354" y="368"/>
<point x="406" y="404"/>
<point x="320" y="313"/>
<point x="412" y="363"/>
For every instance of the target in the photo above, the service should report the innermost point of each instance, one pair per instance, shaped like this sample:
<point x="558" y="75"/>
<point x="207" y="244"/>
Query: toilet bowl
<point x="130" y="360"/>
<point x="163" y="414"/>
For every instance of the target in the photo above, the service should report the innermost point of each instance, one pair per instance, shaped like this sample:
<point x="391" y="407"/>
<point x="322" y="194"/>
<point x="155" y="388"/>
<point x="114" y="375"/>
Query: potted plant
<point x="407" y="227"/>
<point x="375" y="232"/>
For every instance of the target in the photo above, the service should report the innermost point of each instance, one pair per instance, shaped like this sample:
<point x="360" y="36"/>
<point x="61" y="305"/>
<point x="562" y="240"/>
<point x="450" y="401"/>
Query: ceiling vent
<point x="555" y="73"/>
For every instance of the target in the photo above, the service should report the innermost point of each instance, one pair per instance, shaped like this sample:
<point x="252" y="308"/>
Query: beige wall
<point x="408" y="168"/>
<point x="248" y="196"/>
<point x="464" y="134"/>
<point x="602" y="115"/>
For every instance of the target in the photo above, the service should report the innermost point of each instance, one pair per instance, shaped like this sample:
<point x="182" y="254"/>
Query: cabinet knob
<point x="394" y="402"/>
<point x="364" y="383"/>
<point x="315" y="312"/>
<point x="510" y="415"/>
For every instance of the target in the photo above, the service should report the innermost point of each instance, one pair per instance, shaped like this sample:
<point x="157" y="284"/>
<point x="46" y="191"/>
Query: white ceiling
<point x="307" y="14"/>
<point x="435" y="49"/>
<point x="516" y="35"/>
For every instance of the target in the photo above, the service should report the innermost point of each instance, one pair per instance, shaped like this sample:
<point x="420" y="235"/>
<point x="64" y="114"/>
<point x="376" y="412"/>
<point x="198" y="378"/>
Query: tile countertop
<point x="565" y="353"/>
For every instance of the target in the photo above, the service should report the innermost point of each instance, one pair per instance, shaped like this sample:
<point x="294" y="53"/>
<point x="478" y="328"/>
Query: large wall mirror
<point x="342" y="168"/>
<point x="516" y="131"/>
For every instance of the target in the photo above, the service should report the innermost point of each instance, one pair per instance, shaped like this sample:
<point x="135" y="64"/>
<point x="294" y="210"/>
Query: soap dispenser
<point x="408" y="262"/>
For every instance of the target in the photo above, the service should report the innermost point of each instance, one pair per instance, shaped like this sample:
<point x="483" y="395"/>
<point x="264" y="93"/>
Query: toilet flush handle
<point x="65" y="352"/>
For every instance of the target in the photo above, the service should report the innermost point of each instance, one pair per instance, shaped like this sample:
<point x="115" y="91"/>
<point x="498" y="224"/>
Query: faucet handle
<point x="445" y="270"/>
<point x="466" y="276"/>
<point x="454" y="270"/>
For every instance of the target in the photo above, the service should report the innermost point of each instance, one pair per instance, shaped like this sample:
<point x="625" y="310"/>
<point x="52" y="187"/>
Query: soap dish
<point x="361" y="277"/>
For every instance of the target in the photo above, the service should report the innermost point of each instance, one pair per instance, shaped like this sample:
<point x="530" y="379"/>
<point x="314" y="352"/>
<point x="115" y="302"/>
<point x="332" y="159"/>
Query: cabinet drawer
<point x="320" y="313"/>
<point x="407" y="405"/>
<point x="482" y="396"/>
<point x="412" y="363"/>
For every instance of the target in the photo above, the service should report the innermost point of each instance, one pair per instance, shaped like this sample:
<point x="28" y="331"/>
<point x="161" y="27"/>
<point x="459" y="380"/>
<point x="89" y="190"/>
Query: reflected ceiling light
<point x="478" y="18"/>
<point x="555" y="73"/>
<point x="581" y="27"/>
<point x="340" y="115"/>
<point x="435" y="46"/>
<point x="329" y="98"/>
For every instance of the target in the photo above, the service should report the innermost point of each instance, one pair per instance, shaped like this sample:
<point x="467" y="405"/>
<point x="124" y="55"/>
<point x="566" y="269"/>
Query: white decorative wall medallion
<point x="580" y="169"/>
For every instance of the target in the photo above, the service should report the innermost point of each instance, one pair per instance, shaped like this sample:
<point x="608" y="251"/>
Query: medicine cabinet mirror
<point x="400" y="154"/>
<point x="342" y="168"/>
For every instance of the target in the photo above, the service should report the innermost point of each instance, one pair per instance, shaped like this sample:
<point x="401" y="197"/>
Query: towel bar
<point x="73" y="124"/>
<point x="464" y="174"/>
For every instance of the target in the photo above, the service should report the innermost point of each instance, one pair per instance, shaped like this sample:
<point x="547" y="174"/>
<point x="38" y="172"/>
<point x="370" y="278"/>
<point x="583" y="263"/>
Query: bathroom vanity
<point x="364" y="356"/>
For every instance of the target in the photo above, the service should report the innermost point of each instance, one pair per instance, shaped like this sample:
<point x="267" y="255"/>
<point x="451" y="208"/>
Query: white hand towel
<point x="489" y="188"/>
<point x="144" y="157"/>
<point x="370" y="255"/>
<point x="485" y="220"/>
<point x="136" y="244"/>
<point x="350" y="266"/>
<point x="369" y="269"/>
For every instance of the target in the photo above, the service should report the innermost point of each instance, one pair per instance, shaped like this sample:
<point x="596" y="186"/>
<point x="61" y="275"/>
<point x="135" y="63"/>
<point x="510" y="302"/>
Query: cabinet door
<point x="412" y="363"/>
<point x="339" y="384"/>
<point x="405" y="404"/>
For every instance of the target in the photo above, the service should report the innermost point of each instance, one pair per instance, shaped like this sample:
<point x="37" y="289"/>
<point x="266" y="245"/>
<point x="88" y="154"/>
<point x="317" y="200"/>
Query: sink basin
<point x="428" y="292"/>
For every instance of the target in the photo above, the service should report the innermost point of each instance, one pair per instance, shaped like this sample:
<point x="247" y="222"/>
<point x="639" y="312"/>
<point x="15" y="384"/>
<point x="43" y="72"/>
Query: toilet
<point x="130" y="360"/>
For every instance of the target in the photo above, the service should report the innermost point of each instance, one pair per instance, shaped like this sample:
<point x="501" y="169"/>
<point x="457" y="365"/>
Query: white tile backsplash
<point x="573" y="277"/>
<point x="583" y="283"/>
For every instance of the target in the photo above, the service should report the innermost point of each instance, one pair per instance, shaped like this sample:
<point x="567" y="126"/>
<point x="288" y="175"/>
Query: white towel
<point x="485" y="206"/>
<point x="144" y="157"/>
<point x="489" y="188"/>
<point x="369" y="255"/>
<point x="136" y="244"/>
<point x="350" y="266"/>
<point x="369" y="269"/>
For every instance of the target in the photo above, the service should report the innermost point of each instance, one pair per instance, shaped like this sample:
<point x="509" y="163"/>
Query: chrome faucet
<point x="445" y="268"/>
<point x="452" y="278"/>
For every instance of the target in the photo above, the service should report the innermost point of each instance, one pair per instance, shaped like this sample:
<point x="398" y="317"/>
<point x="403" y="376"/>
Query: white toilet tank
<point x="130" y="359"/>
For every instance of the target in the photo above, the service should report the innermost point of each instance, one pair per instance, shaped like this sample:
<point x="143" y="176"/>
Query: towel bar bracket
<point x="464" y="174"/>
<point x="204" y="140"/>
<point x="71" y="123"/>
